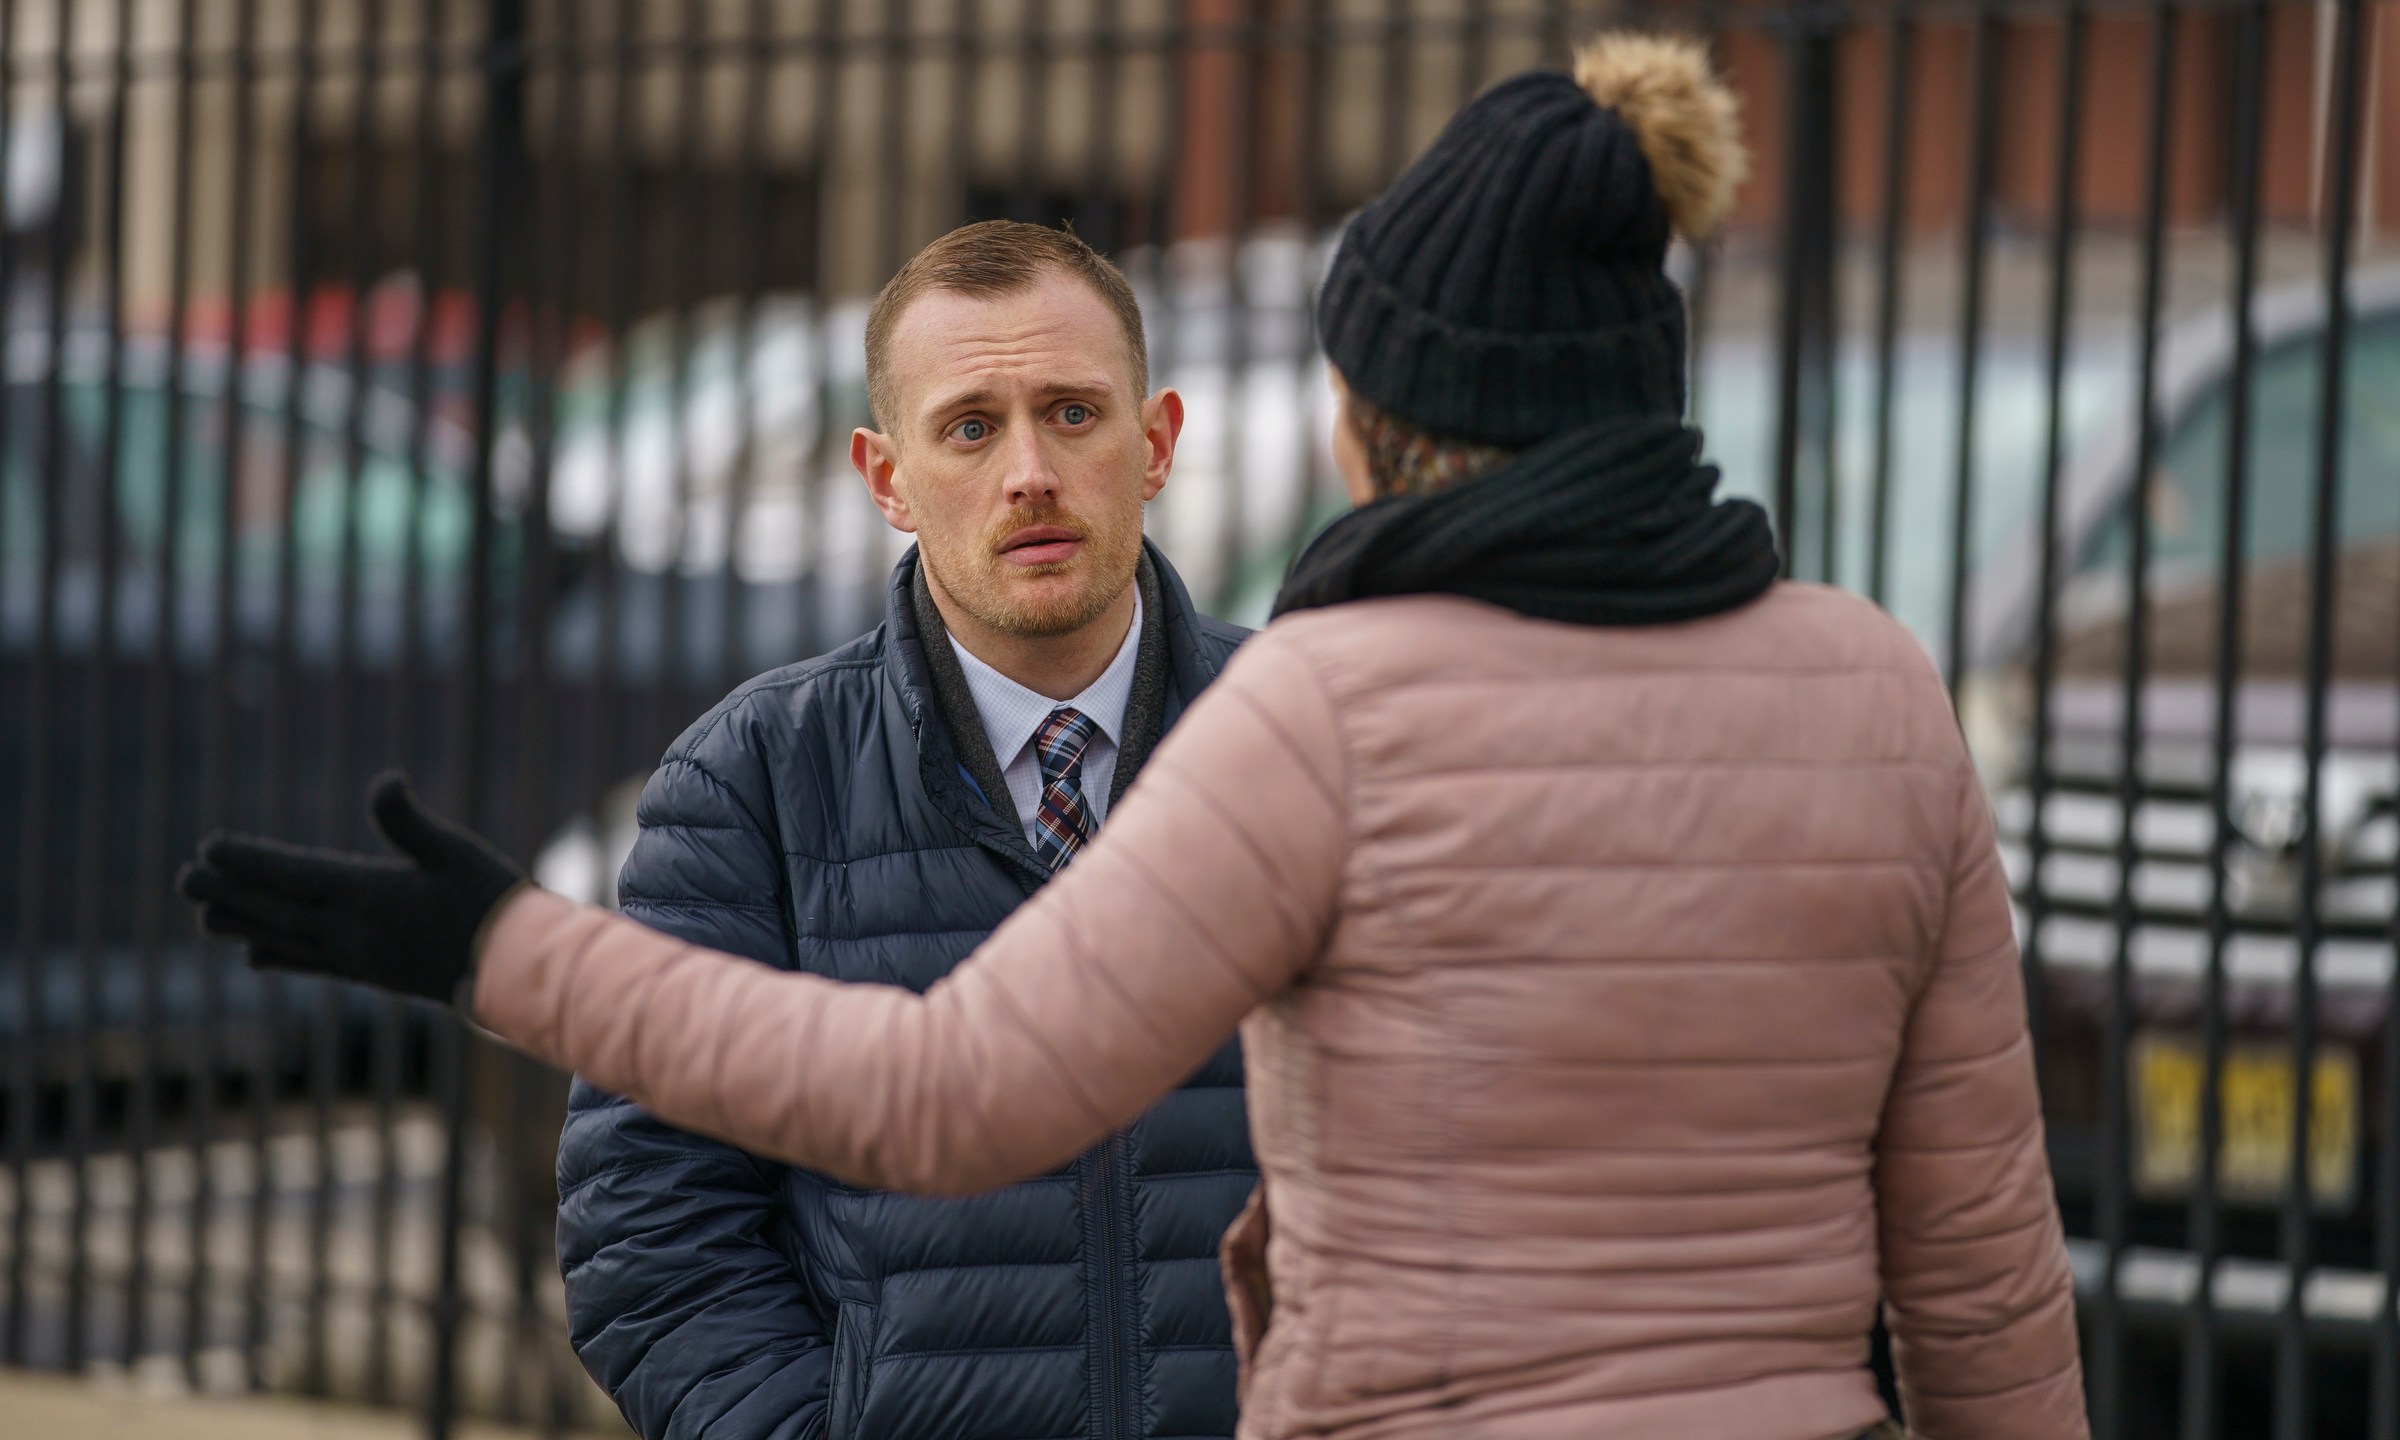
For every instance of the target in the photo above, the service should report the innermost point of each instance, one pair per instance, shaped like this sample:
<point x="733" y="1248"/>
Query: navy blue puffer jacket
<point x="820" y="818"/>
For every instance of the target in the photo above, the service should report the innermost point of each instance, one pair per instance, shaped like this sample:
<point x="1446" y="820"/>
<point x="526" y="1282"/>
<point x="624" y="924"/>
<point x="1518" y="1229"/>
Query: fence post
<point x="500" y="180"/>
<point x="2295" y="1361"/>
<point x="1804" y="350"/>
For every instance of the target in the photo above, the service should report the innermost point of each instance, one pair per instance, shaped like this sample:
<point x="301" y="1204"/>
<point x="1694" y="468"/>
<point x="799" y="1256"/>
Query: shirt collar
<point x="1011" y="712"/>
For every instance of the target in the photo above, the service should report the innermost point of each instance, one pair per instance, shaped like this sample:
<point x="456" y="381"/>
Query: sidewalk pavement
<point x="54" y="1407"/>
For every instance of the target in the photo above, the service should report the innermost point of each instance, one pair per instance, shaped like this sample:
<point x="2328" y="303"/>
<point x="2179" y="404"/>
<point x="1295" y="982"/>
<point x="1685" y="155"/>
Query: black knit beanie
<point x="1510" y="285"/>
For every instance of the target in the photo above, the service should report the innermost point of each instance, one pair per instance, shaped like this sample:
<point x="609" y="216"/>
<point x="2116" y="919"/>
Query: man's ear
<point x="877" y="461"/>
<point x="1162" y="422"/>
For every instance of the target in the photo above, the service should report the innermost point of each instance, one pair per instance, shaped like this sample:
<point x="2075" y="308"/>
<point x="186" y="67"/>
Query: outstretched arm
<point x="1215" y="884"/>
<point x="1212" y="887"/>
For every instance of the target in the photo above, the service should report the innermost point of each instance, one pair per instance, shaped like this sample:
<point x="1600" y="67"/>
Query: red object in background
<point x="393" y="310"/>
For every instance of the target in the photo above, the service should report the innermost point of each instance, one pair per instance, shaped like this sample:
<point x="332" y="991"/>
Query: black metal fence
<point x="463" y="385"/>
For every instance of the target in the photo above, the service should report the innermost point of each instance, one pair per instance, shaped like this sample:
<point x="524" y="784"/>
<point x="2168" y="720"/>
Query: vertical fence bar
<point x="1242" y="44"/>
<point x="1033" y="71"/>
<point x="426" y="206"/>
<point x="1983" y="107"/>
<point x="2202" y="1359"/>
<point x="891" y="214"/>
<point x="1100" y="187"/>
<point x="33" y="897"/>
<point x="554" y="301"/>
<point x="586" y="769"/>
<point x="528" y="1194"/>
<point x="2384" y="1337"/>
<point x="161" y="711"/>
<point x="606" y="726"/>
<point x="1698" y="296"/>
<point x="276" y="782"/>
<point x="2065" y="174"/>
<point x="893" y="160"/>
<point x="826" y="45"/>
<point x="407" y="685"/>
<point x="337" y="798"/>
<point x="1712" y="20"/>
<point x="1551" y="27"/>
<point x="610" y="274"/>
<point x="1899" y="96"/>
<point x="2383" y="1364"/>
<point x="21" y="1075"/>
<point x="966" y="78"/>
<point x="24" y="1109"/>
<point x="1308" y="170"/>
<point x="1399" y="73"/>
<point x="569" y="251"/>
<point x="2114" y="1188"/>
<point x="102" y="714"/>
<point x="1474" y="50"/>
<point x="100" y="722"/>
<point x="217" y="759"/>
<point x="2294" y="1363"/>
<point x="447" y="1058"/>
<point x="672" y="678"/>
<point x="33" y="916"/>
<point x="1166" y="335"/>
<point x="752" y="236"/>
<point x="504" y="62"/>
<point x="1821" y="354"/>
<point x="751" y="239"/>
<point x="341" y="760"/>
<point x="1707" y="20"/>
<point x="499" y="184"/>
<point x="1808" y="240"/>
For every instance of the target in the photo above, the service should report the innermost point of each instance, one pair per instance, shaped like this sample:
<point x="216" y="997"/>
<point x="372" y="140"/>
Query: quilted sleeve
<point x="1213" y="886"/>
<point x="1977" y="1291"/>
<point x="678" y="1301"/>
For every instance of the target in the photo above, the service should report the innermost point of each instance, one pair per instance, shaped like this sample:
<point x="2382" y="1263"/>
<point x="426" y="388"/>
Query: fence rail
<point x="463" y="385"/>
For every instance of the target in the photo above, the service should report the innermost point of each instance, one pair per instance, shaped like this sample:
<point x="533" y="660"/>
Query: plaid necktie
<point x="1063" y="823"/>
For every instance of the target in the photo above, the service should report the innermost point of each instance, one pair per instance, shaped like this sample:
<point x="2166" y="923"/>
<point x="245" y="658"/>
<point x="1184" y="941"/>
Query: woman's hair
<point x="1403" y="459"/>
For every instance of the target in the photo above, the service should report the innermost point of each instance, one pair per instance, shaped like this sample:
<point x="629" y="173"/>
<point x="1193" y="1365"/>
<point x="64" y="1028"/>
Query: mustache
<point x="1024" y="515"/>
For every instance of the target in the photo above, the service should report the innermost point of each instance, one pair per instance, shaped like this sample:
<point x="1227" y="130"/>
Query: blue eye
<point x="1075" y="414"/>
<point x="972" y="431"/>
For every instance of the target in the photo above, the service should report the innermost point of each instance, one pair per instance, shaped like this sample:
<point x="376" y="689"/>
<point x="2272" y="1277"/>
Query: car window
<point x="387" y="492"/>
<point x="2187" y="487"/>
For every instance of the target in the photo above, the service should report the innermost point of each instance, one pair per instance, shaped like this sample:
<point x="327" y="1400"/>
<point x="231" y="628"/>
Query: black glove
<point x="407" y="924"/>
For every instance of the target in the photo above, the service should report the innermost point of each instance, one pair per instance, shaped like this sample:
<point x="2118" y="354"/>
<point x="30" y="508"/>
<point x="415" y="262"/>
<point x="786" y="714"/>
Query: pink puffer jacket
<point x="1629" y="1012"/>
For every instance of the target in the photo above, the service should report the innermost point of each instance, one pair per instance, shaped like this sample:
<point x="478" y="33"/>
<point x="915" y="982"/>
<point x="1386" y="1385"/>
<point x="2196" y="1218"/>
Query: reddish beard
<point x="995" y="592"/>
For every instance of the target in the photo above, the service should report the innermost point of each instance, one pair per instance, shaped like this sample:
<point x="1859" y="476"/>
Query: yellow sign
<point x="2254" y="1157"/>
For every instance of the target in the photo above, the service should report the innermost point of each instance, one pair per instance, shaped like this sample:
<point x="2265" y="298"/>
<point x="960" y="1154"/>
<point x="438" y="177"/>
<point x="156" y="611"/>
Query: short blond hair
<point x="988" y="259"/>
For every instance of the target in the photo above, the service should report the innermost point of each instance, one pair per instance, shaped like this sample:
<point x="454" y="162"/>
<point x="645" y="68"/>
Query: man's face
<point x="1020" y="452"/>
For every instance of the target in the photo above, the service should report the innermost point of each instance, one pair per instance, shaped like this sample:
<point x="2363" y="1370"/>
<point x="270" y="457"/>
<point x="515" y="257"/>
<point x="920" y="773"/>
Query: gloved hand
<point x="407" y="924"/>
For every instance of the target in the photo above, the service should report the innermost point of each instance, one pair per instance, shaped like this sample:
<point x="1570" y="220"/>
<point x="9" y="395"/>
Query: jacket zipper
<point x="1116" y="1309"/>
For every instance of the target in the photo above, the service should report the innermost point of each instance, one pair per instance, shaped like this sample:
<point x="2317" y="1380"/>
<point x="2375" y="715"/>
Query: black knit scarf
<point x="1613" y="524"/>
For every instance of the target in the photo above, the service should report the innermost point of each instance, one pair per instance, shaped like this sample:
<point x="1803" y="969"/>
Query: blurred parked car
<point x="2072" y="900"/>
<point x="410" y="506"/>
<point x="376" y="492"/>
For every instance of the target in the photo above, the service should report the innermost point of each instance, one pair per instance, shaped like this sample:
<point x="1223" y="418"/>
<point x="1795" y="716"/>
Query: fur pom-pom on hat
<point x="1688" y="123"/>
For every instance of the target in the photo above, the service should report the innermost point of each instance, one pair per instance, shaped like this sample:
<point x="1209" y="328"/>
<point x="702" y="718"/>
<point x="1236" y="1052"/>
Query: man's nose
<point x="1030" y="479"/>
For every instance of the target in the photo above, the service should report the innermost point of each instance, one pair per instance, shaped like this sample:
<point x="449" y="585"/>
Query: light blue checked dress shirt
<point x="1011" y="714"/>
